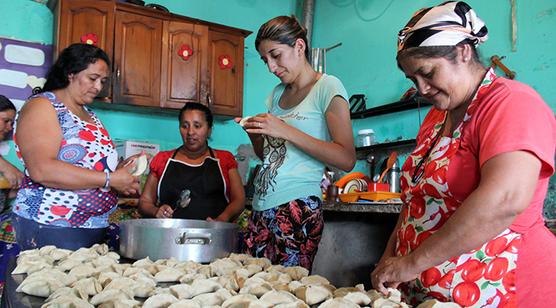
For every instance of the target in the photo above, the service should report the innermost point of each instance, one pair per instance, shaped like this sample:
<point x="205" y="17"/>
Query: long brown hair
<point x="284" y="30"/>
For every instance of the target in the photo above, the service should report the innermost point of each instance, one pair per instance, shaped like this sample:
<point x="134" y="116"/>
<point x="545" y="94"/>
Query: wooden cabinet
<point x="137" y="49"/>
<point x="159" y="59"/>
<point x="184" y="75"/>
<point x="226" y="73"/>
<point x="86" y="21"/>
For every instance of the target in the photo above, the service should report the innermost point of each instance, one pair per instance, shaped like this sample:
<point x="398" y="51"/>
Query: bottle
<point x="394" y="177"/>
<point x="365" y="137"/>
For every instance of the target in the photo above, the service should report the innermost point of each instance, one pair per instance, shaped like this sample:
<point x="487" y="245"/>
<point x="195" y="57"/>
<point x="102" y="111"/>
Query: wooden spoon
<point x="389" y="164"/>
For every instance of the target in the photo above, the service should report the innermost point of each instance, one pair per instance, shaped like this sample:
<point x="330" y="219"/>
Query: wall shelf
<point x="408" y="144"/>
<point x="411" y="103"/>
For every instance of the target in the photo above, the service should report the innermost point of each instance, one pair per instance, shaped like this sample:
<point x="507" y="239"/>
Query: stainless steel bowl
<point x="183" y="239"/>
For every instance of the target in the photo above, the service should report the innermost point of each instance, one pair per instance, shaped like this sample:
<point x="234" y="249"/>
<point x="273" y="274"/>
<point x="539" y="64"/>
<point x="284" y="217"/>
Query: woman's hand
<point x="164" y="211"/>
<point x="393" y="271"/>
<point x="122" y="181"/>
<point x="11" y="173"/>
<point x="132" y="160"/>
<point x="267" y="124"/>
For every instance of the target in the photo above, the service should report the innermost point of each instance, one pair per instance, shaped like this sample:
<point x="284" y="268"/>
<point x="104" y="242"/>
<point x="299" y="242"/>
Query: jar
<point x="365" y="137"/>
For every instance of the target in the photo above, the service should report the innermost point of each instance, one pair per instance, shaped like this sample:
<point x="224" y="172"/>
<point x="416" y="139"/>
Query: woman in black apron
<point x="193" y="181"/>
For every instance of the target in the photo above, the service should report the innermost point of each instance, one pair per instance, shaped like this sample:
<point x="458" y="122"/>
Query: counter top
<point x="364" y="207"/>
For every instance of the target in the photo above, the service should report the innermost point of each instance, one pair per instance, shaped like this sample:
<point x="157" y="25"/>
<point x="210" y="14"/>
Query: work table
<point x="363" y="207"/>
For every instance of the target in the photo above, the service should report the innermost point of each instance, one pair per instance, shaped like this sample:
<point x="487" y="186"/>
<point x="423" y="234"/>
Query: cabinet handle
<point x="209" y="100"/>
<point x="118" y="73"/>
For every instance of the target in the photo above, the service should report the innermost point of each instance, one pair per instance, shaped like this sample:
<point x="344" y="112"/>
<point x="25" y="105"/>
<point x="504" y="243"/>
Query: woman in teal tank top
<point x="307" y="127"/>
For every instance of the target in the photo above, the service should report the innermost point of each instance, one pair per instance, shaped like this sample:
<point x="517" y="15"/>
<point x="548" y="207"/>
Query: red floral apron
<point x="484" y="277"/>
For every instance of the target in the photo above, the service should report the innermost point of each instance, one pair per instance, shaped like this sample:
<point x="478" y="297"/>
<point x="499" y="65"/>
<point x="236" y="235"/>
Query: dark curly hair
<point x="6" y="104"/>
<point x="199" y="107"/>
<point x="72" y="60"/>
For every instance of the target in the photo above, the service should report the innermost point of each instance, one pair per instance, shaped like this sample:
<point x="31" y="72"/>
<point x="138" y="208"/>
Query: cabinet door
<point x="86" y="21"/>
<point x="226" y="74"/>
<point x="137" y="49"/>
<point x="184" y="76"/>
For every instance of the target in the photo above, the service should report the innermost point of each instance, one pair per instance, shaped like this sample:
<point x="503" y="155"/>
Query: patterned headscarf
<point x="444" y="25"/>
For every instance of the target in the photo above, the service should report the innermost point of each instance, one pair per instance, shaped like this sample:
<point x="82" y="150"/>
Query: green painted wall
<point x="368" y="31"/>
<point x="366" y="60"/>
<point x="32" y="21"/>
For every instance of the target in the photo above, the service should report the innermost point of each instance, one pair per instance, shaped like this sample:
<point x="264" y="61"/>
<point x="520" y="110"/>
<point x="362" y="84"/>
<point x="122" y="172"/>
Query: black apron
<point x="205" y="183"/>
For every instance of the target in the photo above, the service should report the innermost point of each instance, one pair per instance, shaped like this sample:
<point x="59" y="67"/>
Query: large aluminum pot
<point x="183" y="239"/>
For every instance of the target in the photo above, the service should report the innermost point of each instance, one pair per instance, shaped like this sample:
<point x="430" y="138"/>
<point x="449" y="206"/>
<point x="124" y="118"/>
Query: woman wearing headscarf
<point x="471" y="229"/>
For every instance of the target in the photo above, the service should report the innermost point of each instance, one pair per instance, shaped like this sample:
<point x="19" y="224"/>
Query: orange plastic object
<point x="348" y="177"/>
<point x="378" y="187"/>
<point x="368" y="195"/>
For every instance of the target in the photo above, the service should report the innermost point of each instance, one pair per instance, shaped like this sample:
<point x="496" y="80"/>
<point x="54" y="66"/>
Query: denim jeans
<point x="30" y="234"/>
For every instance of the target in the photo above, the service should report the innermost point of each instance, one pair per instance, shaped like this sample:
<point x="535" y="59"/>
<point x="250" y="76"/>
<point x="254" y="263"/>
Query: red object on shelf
<point x="378" y="187"/>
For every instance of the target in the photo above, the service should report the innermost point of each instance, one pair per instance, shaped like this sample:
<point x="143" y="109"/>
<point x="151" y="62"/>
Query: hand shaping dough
<point x="141" y="164"/>
<point x="244" y="120"/>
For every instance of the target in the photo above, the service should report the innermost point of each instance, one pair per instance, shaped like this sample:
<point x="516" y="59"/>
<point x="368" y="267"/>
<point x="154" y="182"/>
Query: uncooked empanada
<point x="433" y="303"/>
<point x="83" y="255"/>
<point x="59" y="254"/>
<point x="213" y="299"/>
<point x="278" y="297"/>
<point x="101" y="249"/>
<point x="144" y="288"/>
<point x="83" y="271"/>
<point x="338" y="302"/>
<point x="241" y="300"/>
<point x="354" y="295"/>
<point x="386" y="303"/>
<point x="111" y="295"/>
<point x="29" y="267"/>
<point x="240" y="257"/>
<point x="297" y="272"/>
<point x="143" y="262"/>
<point x="313" y="294"/>
<point x="298" y="304"/>
<point x="225" y="266"/>
<point x="262" y="262"/>
<point x="190" y="277"/>
<point x="67" y="291"/>
<point x="185" y="303"/>
<point x="182" y="291"/>
<point x="54" y="273"/>
<point x="113" y="255"/>
<point x="120" y="268"/>
<point x="122" y="283"/>
<point x="160" y="301"/>
<point x="228" y="282"/>
<point x="42" y="287"/>
<point x="256" y="289"/>
<point x="105" y="277"/>
<point x="204" y="286"/>
<point x="168" y="275"/>
<point x="90" y="286"/>
<point x="46" y="250"/>
<point x="67" y="301"/>
<point x="68" y="264"/>
<point x="314" y="279"/>
<point x="104" y="261"/>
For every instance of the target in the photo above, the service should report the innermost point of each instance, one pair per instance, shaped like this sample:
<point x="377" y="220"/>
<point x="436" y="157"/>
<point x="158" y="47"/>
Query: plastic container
<point x="365" y="137"/>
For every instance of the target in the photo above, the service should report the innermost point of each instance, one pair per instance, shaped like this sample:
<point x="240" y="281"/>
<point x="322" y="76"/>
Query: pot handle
<point x="193" y="238"/>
